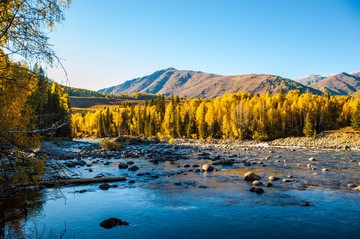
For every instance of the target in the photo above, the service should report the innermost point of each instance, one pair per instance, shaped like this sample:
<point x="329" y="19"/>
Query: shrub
<point x="171" y="141"/>
<point x="111" y="145"/>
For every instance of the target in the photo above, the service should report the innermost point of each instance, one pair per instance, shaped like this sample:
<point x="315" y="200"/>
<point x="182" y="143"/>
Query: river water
<point x="169" y="201"/>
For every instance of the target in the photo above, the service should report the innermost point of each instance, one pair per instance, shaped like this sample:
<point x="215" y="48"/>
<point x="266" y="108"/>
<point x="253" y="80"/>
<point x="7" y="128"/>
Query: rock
<point x="132" y="181"/>
<point x="257" y="183"/>
<point x="186" y="165"/>
<point x="130" y="162"/>
<point x="268" y="184"/>
<point x="259" y="190"/>
<point x="312" y="159"/>
<point x="197" y="170"/>
<point x="196" y="166"/>
<point x="351" y="185"/>
<point x="306" y="204"/>
<point x="107" y="163"/>
<point x="286" y="180"/>
<point x="140" y="174"/>
<point x="207" y="168"/>
<point x="252" y="189"/>
<point x="217" y="162"/>
<point x="133" y="168"/>
<point x="247" y="163"/>
<point x="249" y="176"/>
<point x="346" y="147"/>
<point x="273" y="178"/>
<point x="316" y="174"/>
<point x="123" y="165"/>
<point x="203" y="186"/>
<point x="178" y="183"/>
<point x="357" y="188"/>
<point x="289" y="176"/>
<point x="104" y="186"/>
<point x="226" y="162"/>
<point x="325" y="169"/>
<point x="112" y="222"/>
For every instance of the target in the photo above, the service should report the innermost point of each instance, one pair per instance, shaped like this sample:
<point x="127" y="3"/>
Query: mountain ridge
<point x="194" y="84"/>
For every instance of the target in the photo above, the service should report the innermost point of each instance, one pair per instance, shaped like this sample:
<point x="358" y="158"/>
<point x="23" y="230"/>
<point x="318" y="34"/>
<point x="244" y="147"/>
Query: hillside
<point x="196" y="84"/>
<point x="339" y="84"/>
<point x="310" y="79"/>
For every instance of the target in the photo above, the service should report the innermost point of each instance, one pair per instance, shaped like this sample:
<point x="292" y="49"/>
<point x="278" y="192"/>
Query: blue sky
<point x="104" y="43"/>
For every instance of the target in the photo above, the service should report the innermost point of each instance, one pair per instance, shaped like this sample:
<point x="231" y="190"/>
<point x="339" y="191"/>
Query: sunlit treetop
<point x="24" y="25"/>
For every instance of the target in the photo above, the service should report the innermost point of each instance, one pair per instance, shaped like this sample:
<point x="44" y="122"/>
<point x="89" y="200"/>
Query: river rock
<point x="351" y="185"/>
<point x="273" y="178"/>
<point x="123" y="165"/>
<point x="112" y="222"/>
<point x="257" y="183"/>
<point x="312" y="159"/>
<point x="207" y="168"/>
<point x="133" y="168"/>
<point x="104" y="186"/>
<point x="259" y="190"/>
<point x="357" y="188"/>
<point x="286" y="180"/>
<point x="249" y="176"/>
<point x="252" y="189"/>
<point x="268" y="184"/>
<point x="132" y="181"/>
<point x="130" y="162"/>
<point x="325" y="169"/>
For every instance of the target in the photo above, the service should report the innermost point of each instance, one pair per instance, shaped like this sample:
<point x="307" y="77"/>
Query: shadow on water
<point x="15" y="211"/>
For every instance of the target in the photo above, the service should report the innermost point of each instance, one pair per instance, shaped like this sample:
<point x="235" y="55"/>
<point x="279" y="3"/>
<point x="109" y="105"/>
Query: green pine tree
<point x="355" y="118"/>
<point x="309" y="130"/>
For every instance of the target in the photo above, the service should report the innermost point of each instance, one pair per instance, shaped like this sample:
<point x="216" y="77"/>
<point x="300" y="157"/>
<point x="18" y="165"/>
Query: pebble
<point x="207" y="168"/>
<point x="351" y="185"/>
<point x="259" y="190"/>
<point x="273" y="178"/>
<point x="132" y="181"/>
<point x="357" y="188"/>
<point x="312" y="159"/>
<point x="268" y="184"/>
<point x="288" y="180"/>
<point x="325" y="169"/>
<point x="249" y="176"/>
<point x="257" y="183"/>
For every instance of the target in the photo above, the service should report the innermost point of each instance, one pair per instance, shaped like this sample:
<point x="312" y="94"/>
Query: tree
<point x="309" y="130"/>
<point x="355" y="118"/>
<point x="23" y="26"/>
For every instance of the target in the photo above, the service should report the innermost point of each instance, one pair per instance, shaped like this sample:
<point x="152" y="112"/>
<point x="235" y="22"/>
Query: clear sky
<point x="104" y="43"/>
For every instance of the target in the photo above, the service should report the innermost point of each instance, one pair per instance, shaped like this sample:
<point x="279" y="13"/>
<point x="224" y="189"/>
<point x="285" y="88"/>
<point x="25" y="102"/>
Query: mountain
<point x="339" y="84"/>
<point x="310" y="79"/>
<point x="196" y="84"/>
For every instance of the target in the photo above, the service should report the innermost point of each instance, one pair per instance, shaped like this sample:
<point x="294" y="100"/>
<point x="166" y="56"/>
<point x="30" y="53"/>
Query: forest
<point x="234" y="116"/>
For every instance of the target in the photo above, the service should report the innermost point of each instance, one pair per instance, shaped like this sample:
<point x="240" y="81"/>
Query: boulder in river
<point x="273" y="178"/>
<point x="208" y="168"/>
<point x="134" y="168"/>
<point x="249" y="176"/>
<point x="257" y="183"/>
<point x="104" y="186"/>
<point x="112" y="222"/>
<point x="123" y="165"/>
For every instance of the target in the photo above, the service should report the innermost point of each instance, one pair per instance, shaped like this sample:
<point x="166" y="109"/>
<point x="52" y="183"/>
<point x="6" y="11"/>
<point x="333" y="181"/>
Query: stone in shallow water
<point x="112" y="222"/>
<point x="268" y="184"/>
<point x="249" y="176"/>
<point x="122" y="165"/>
<point x="207" y="168"/>
<point x="312" y="159"/>
<point x="257" y="183"/>
<point x="351" y="185"/>
<point x="104" y="186"/>
<point x="259" y="190"/>
<point x="273" y="178"/>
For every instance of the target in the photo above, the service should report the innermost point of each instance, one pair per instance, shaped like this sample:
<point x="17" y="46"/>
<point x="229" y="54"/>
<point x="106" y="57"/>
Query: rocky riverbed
<point x="186" y="183"/>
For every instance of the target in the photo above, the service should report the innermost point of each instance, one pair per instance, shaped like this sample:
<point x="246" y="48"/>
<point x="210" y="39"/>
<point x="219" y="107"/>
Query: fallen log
<point x="82" y="181"/>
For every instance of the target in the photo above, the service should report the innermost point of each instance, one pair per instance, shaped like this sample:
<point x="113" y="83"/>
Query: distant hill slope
<point x="310" y="79"/>
<point x="339" y="84"/>
<point x="195" y="84"/>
